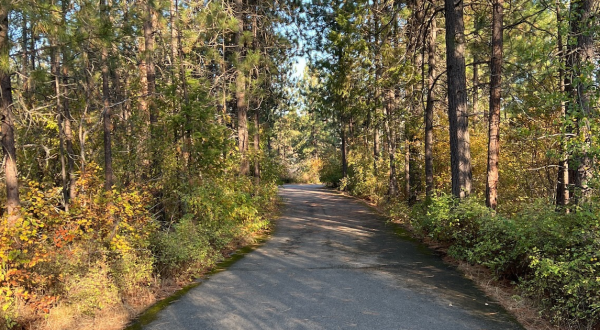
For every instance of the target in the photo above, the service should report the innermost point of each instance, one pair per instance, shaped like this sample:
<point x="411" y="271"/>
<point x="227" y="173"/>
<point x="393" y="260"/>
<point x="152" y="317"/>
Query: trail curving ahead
<point x="333" y="263"/>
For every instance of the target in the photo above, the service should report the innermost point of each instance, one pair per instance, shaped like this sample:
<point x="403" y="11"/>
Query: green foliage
<point x="108" y="247"/>
<point x="362" y="180"/>
<point x="552" y="255"/>
<point x="218" y="213"/>
<point x="184" y="248"/>
<point x="331" y="171"/>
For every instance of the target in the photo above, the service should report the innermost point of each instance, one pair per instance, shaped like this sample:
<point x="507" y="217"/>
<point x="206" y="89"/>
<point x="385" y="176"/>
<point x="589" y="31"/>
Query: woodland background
<point x="474" y="122"/>
<point x="143" y="140"/>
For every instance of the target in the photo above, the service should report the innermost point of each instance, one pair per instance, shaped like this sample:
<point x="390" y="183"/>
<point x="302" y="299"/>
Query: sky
<point x="299" y="67"/>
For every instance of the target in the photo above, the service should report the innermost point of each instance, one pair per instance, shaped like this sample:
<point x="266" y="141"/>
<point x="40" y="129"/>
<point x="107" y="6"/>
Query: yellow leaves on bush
<point x="47" y="245"/>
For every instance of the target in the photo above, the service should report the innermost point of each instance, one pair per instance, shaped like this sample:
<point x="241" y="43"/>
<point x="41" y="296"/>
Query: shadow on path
<point x="335" y="264"/>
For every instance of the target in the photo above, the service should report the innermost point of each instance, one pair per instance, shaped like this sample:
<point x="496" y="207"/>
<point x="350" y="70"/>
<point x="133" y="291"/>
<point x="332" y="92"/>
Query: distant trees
<point x="384" y="84"/>
<point x="153" y="91"/>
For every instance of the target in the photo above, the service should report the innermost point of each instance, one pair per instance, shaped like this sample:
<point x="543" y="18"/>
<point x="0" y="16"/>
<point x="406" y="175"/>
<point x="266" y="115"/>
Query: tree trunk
<point x="583" y="23"/>
<point x="391" y="142"/>
<point x="344" y="155"/>
<point x="106" y="112"/>
<point x="491" y="189"/>
<point x="378" y="94"/>
<point x="8" y="135"/>
<point x="562" y="184"/>
<point x="407" y="165"/>
<point x="107" y="124"/>
<point x="55" y="71"/>
<point x="255" y="48"/>
<point x="240" y="94"/>
<point x="460" y="153"/>
<point x="256" y="146"/>
<point x="174" y="41"/>
<point x="429" y="107"/>
<point x="68" y="131"/>
<point x="143" y="108"/>
<point x="148" y="29"/>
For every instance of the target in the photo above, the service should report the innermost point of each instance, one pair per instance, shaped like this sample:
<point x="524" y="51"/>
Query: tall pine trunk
<point x="460" y="153"/>
<point x="344" y="147"/>
<point x="256" y="146"/>
<point x="491" y="189"/>
<point x="429" y="107"/>
<point x="562" y="184"/>
<point x="583" y="21"/>
<point x="8" y="135"/>
<point x="106" y="110"/>
<point x="149" y="25"/>
<point x="391" y="141"/>
<point x="240" y="92"/>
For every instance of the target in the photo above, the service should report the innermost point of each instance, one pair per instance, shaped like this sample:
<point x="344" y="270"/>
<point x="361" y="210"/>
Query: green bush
<point x="447" y="220"/>
<point x="331" y="172"/>
<point x="218" y="212"/>
<point x="553" y="256"/>
<point x="184" y="248"/>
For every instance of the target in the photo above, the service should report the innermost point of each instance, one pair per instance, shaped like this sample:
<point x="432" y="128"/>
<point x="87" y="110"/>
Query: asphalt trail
<point x="333" y="263"/>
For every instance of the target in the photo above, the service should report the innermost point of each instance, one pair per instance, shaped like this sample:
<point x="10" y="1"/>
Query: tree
<point x="240" y="90"/>
<point x="583" y="64"/>
<point x="460" y="153"/>
<point x="429" y="107"/>
<point x="106" y="107"/>
<point x="8" y="129"/>
<point x="491" y="196"/>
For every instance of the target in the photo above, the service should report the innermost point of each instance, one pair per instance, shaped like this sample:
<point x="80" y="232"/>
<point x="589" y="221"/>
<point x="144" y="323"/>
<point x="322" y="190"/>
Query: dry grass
<point x="120" y="314"/>
<point x="115" y="317"/>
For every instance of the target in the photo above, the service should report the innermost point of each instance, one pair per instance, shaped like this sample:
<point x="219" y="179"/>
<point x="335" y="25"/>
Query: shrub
<point x="183" y="249"/>
<point x="331" y="171"/>
<point x="218" y="213"/>
<point x="552" y="255"/>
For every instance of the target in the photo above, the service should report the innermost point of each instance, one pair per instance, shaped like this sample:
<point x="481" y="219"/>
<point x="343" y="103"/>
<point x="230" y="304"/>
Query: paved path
<point x="334" y="264"/>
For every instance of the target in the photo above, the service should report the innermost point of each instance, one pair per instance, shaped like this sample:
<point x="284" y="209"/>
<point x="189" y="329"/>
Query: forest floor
<point x="334" y="263"/>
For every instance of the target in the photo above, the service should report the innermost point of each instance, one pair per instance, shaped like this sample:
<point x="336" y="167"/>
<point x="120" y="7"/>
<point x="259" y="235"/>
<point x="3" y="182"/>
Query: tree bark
<point x="378" y="94"/>
<point x="391" y="142"/>
<point x="562" y="184"/>
<point x="240" y="94"/>
<point x="107" y="124"/>
<point x="68" y="131"/>
<point x="407" y="165"/>
<point x="106" y="113"/>
<point x="257" y="146"/>
<point x="460" y="153"/>
<point x="13" y="202"/>
<point x="55" y="71"/>
<point x="149" y="25"/>
<point x="344" y="144"/>
<point x="491" y="189"/>
<point x="429" y="107"/>
<point x="583" y="21"/>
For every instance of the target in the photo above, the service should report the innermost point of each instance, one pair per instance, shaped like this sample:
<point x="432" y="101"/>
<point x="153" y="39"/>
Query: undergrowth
<point x="109" y="251"/>
<point x="551" y="256"/>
